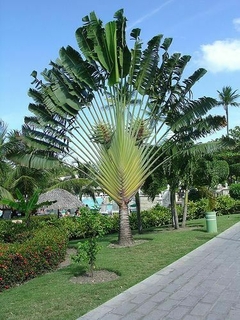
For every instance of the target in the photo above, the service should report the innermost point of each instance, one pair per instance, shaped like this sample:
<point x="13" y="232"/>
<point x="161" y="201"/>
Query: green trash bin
<point x="211" y="222"/>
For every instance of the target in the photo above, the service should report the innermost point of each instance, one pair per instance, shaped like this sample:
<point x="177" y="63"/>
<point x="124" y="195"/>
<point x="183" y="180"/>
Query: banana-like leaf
<point x="136" y="60"/>
<point x="190" y="81"/>
<point x="191" y="110"/>
<point x="36" y="95"/>
<point x="111" y="39"/>
<point x="124" y="53"/>
<point x="43" y="141"/>
<point x="79" y="69"/>
<point x="96" y="33"/>
<point x="35" y="161"/>
<point x="149" y="63"/>
<point x="85" y="44"/>
<point x="166" y="43"/>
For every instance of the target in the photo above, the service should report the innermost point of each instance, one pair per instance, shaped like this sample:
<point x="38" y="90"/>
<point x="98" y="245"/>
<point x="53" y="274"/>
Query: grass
<point x="53" y="296"/>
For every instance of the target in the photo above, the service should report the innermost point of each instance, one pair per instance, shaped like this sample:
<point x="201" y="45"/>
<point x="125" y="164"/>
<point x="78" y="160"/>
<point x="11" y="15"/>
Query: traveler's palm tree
<point x="71" y="118"/>
<point x="228" y="97"/>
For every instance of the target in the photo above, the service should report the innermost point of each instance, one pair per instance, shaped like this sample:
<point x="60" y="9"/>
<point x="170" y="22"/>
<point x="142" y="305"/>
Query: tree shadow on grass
<point x="73" y="269"/>
<point x="199" y="230"/>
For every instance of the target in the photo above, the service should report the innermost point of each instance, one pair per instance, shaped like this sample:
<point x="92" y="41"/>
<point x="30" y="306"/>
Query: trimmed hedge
<point x="23" y="261"/>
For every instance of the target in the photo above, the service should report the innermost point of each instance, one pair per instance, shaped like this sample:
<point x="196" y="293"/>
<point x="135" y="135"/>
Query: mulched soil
<point x="98" y="277"/>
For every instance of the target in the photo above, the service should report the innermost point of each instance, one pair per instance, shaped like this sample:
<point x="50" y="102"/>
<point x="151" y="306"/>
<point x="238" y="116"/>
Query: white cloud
<point x="236" y="23"/>
<point x="221" y="56"/>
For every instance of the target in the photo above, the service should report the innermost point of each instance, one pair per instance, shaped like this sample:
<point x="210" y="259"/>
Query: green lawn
<point x="53" y="296"/>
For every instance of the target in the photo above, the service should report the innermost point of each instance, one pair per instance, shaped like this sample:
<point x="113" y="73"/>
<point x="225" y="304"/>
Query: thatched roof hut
<point x="65" y="200"/>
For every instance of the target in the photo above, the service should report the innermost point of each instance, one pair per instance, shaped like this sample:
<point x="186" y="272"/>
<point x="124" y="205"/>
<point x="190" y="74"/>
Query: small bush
<point x="94" y="227"/>
<point x="14" y="232"/>
<point x="234" y="191"/>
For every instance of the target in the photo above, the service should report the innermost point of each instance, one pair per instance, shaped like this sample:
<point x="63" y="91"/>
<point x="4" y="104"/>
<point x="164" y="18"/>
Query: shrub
<point x="225" y="205"/>
<point x="237" y="206"/>
<point x="234" y="191"/>
<point x="76" y="227"/>
<point x="73" y="227"/>
<point x="222" y="204"/>
<point x="14" y="232"/>
<point x="115" y="222"/>
<point x="22" y="261"/>
<point x="155" y="217"/>
<point x="197" y="209"/>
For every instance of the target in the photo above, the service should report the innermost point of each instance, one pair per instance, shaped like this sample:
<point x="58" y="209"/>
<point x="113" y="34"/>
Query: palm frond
<point x="148" y="65"/>
<point x="4" y="193"/>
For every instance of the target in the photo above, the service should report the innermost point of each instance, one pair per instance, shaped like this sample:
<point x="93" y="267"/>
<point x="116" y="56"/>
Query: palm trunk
<point x="138" y="208"/>
<point x="227" y="120"/>
<point x="174" y="210"/>
<point x="125" y="237"/>
<point x="27" y="215"/>
<point x="185" y="203"/>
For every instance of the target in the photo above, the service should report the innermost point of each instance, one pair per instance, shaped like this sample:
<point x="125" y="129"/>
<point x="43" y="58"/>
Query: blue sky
<point x="33" y="32"/>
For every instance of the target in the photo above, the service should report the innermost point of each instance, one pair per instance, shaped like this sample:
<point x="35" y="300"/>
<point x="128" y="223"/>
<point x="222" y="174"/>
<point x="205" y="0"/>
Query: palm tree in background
<point x="5" y="166"/>
<point x="228" y="97"/>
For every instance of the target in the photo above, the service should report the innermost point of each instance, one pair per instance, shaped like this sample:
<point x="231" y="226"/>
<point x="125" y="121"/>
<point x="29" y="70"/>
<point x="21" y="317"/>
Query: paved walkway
<point x="204" y="284"/>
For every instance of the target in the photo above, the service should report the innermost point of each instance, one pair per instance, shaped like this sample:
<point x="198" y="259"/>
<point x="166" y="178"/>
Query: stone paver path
<point x="204" y="284"/>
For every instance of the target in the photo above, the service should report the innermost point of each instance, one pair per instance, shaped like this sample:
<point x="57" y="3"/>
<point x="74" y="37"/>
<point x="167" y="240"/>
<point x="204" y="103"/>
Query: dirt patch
<point x="67" y="261"/>
<point x="135" y="243"/>
<point x="98" y="277"/>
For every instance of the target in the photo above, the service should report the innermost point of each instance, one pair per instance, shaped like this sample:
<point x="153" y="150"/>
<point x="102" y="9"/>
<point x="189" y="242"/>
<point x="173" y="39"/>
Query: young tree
<point x="71" y="117"/>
